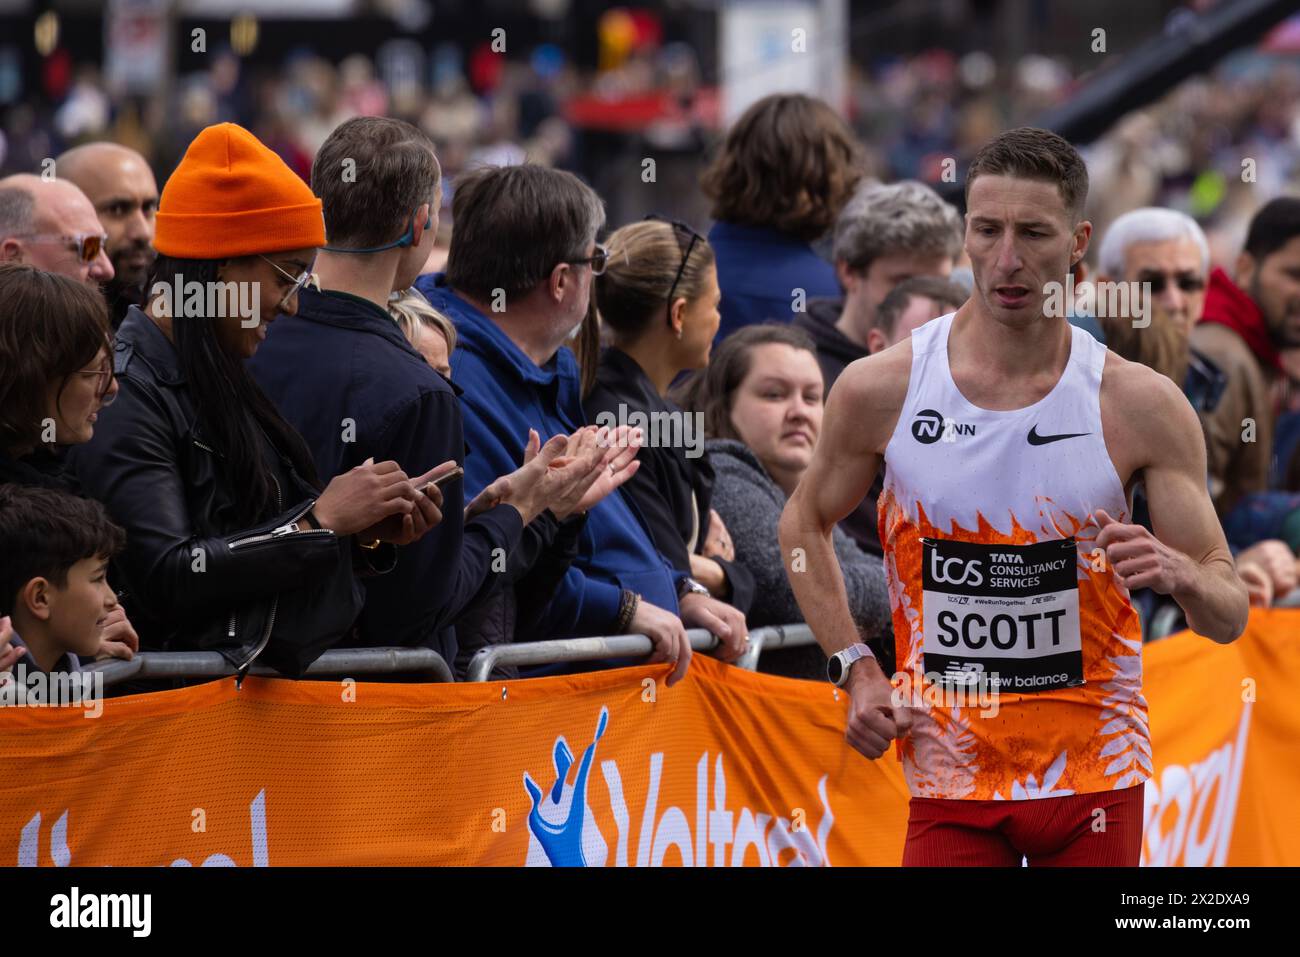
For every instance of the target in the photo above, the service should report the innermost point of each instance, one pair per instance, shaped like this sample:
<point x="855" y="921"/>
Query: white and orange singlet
<point x="994" y="577"/>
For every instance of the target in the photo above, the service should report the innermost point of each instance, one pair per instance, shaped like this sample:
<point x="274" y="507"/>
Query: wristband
<point x="628" y="604"/>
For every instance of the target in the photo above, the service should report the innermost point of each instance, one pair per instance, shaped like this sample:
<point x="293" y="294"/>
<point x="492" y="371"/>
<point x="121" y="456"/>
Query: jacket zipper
<point x="290" y="528"/>
<point x="275" y="602"/>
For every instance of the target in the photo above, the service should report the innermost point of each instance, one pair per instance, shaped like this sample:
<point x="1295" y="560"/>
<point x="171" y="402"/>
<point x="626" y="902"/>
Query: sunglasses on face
<point x="597" y="260"/>
<point x="1185" y="281"/>
<point x="299" y="281"/>
<point x="86" y="245"/>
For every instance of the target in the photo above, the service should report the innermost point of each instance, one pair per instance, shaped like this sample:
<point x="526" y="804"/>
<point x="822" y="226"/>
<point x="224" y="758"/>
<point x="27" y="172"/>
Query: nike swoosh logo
<point x="1036" y="439"/>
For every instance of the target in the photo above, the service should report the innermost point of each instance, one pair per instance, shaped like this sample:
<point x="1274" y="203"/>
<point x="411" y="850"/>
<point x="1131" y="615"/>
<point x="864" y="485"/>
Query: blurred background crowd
<point x="594" y="89"/>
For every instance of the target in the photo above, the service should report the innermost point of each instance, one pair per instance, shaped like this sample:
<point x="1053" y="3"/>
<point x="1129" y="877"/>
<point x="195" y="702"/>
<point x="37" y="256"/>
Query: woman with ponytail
<point x="658" y="304"/>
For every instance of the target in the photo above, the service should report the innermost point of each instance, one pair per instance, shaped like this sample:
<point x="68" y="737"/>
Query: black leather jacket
<point x="277" y="593"/>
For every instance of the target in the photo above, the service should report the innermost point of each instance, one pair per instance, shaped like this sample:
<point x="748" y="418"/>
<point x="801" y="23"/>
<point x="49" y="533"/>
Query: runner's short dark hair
<point x="1031" y="153"/>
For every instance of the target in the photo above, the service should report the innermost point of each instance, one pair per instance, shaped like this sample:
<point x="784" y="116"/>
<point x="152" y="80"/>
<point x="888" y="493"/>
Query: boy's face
<point x="77" y="610"/>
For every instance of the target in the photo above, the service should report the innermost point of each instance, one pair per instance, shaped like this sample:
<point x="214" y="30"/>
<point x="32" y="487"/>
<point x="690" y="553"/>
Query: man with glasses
<point x="1167" y="252"/>
<point x="1218" y="338"/>
<point x="52" y="225"/>
<point x="120" y="184"/>
<point x="518" y="285"/>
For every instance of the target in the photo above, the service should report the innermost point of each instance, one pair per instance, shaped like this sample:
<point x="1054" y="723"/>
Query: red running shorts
<point x="1048" y="832"/>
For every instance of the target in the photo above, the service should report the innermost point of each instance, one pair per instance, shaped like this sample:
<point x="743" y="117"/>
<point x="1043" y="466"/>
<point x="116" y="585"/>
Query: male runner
<point x="1011" y="442"/>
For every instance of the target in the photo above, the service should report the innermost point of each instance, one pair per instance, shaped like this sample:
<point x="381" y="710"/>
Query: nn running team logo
<point x="930" y="426"/>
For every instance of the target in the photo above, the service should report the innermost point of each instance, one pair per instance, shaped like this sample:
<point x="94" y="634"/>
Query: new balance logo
<point x="1036" y="439"/>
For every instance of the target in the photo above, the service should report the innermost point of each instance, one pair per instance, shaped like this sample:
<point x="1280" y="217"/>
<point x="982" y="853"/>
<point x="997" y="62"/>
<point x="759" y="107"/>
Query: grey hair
<point x="1150" y="224"/>
<point x="903" y="217"/>
<point x="17" y="207"/>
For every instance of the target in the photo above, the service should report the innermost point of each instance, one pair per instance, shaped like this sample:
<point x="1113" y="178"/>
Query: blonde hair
<point x="644" y="258"/>
<point x="410" y="309"/>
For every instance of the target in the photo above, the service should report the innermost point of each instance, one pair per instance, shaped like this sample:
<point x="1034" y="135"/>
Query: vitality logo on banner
<point x="1190" y="810"/>
<point x="570" y="837"/>
<point x="563" y="829"/>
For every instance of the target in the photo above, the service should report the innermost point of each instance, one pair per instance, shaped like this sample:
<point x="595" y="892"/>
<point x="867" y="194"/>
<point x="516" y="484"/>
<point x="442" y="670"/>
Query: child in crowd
<point x="54" y="592"/>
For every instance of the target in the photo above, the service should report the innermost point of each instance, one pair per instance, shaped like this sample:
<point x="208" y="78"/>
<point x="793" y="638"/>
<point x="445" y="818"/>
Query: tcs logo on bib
<point x="942" y="570"/>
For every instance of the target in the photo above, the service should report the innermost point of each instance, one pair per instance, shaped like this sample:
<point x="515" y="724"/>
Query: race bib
<point x="1007" y="615"/>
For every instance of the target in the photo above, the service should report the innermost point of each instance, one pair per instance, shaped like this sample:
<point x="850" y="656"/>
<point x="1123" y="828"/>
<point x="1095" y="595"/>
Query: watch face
<point x="834" y="669"/>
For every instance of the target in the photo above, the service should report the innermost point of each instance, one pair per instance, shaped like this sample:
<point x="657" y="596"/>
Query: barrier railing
<point x="773" y="637"/>
<point x="340" y="662"/>
<point x="372" y="661"/>
<point x="538" y="653"/>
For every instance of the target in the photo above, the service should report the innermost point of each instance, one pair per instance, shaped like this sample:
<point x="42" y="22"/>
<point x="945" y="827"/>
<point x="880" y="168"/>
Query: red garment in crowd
<point x="1228" y="304"/>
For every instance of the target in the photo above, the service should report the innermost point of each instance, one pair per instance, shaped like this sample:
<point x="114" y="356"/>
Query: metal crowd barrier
<point x="340" y="662"/>
<point x="773" y="637"/>
<point x="536" y="653"/>
<point x="346" y="662"/>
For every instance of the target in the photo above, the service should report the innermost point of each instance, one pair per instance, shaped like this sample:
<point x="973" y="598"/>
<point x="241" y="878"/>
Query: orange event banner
<point x="609" y="768"/>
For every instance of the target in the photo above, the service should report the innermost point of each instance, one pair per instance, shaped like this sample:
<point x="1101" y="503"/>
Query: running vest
<point x="994" y="582"/>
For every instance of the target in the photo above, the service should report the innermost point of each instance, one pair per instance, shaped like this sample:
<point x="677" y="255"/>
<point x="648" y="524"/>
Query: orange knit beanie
<point x="232" y="196"/>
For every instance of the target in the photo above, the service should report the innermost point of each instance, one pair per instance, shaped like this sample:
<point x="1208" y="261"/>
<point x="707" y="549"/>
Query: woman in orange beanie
<point x="231" y="543"/>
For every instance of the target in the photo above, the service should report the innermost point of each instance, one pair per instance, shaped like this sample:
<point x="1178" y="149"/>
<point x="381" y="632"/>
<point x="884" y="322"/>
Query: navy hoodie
<point x="759" y="271"/>
<point x="505" y="395"/>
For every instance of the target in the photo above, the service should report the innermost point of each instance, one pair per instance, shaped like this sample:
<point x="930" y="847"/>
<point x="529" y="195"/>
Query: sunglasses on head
<point x="680" y="231"/>
<point x="1187" y="282"/>
<point x="86" y="245"/>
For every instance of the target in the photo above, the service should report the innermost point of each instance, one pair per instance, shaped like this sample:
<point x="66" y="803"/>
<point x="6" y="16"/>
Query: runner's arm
<point x="1202" y="576"/>
<point x="860" y="415"/>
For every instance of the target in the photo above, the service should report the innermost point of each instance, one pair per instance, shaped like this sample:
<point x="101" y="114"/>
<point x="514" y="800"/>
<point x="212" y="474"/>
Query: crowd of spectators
<point x="385" y="445"/>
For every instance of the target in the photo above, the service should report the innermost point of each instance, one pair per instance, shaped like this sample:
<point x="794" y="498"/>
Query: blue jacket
<point x="506" y="394"/>
<point x="758" y="271"/>
<point x="343" y="374"/>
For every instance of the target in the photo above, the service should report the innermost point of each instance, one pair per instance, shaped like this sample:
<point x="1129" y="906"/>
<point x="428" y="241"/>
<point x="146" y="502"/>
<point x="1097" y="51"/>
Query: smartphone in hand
<point x="442" y="480"/>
